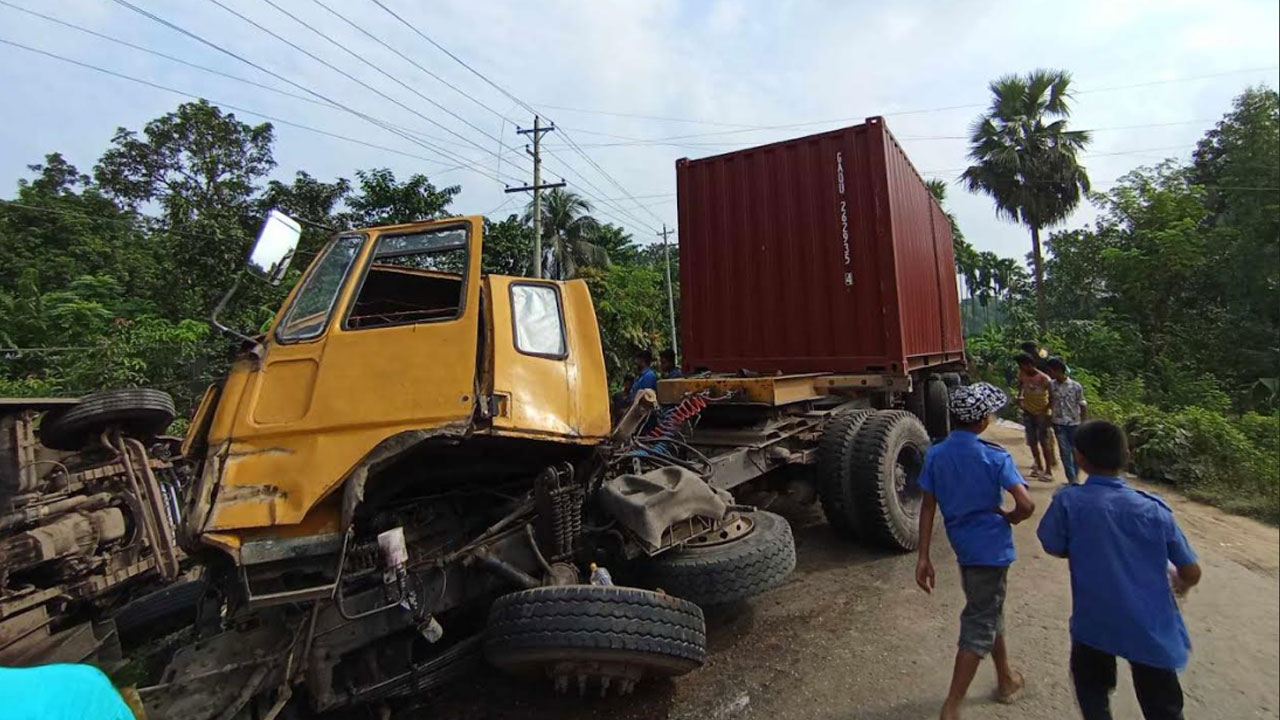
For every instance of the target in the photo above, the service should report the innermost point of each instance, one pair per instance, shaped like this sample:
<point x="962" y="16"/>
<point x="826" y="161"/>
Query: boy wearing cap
<point x="966" y="477"/>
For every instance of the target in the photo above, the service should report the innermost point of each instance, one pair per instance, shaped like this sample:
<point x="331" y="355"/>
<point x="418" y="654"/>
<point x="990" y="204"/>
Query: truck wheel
<point x="138" y="412"/>
<point x="937" y="413"/>
<point x="612" y="635"/>
<point x="727" y="571"/>
<point x="953" y="380"/>
<point x="835" y="467"/>
<point x="888" y="454"/>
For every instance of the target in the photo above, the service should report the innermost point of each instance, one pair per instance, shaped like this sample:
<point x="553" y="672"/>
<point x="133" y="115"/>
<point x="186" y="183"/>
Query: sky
<point x="630" y="86"/>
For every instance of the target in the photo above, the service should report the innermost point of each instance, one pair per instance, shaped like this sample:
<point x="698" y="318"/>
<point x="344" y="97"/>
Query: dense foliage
<point x="107" y="279"/>
<point x="1166" y="309"/>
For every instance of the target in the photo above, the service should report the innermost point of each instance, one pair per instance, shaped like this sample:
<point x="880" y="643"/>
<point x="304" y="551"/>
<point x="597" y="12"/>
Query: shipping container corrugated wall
<point x="819" y="254"/>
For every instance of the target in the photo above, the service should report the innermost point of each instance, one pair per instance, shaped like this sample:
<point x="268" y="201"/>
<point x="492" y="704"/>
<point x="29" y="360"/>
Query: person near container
<point x="1033" y="398"/>
<point x="966" y="478"/>
<point x="646" y="377"/>
<point x="1069" y="409"/>
<point x="1128" y="561"/>
<point x="667" y="363"/>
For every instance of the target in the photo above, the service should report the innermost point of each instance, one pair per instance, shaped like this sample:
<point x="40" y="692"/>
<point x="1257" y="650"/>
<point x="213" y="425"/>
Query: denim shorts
<point x="983" y="615"/>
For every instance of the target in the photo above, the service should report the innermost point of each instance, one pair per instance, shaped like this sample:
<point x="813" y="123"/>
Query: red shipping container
<point x="826" y="253"/>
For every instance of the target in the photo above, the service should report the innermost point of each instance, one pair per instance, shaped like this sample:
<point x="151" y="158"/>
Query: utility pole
<point x="671" y="293"/>
<point x="536" y="131"/>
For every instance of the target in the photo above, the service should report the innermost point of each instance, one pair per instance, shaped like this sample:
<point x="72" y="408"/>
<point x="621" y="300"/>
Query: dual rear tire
<point x="869" y="465"/>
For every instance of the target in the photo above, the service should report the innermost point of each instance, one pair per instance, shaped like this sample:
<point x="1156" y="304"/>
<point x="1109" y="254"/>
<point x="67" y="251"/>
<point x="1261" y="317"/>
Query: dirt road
<point x="851" y="637"/>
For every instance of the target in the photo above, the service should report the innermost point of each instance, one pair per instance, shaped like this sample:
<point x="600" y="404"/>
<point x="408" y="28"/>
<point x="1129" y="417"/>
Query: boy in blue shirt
<point x="966" y="478"/>
<point x="1120" y="543"/>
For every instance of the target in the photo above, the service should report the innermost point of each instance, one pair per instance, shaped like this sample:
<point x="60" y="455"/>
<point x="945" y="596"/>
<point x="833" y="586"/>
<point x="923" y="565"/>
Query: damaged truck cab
<point x="393" y="339"/>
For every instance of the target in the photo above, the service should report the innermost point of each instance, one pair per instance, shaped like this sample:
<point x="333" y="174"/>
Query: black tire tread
<point x="590" y="617"/>
<point x="142" y="412"/>
<point x="734" y="571"/>
<point x="872" y="519"/>
<point x="835" y="448"/>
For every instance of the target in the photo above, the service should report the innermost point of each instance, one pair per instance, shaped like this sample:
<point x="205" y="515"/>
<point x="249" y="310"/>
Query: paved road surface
<point x="851" y="637"/>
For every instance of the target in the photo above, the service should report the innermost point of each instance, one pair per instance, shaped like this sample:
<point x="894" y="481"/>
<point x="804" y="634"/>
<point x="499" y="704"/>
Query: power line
<point x="352" y="78"/>
<point x="964" y="106"/>
<point x="246" y="111"/>
<point x="411" y="61"/>
<point x="455" y="58"/>
<point x="215" y="71"/>
<point x="394" y="79"/>
<point x="278" y="76"/>
<point x="157" y="53"/>
<point x="567" y="137"/>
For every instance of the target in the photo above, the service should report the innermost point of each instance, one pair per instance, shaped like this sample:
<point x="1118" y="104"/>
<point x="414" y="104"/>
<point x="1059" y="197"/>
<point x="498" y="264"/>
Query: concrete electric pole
<point x="671" y="292"/>
<point x="536" y="131"/>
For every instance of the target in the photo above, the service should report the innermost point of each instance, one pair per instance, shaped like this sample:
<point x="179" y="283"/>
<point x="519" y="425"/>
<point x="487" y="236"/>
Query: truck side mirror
<point x="272" y="251"/>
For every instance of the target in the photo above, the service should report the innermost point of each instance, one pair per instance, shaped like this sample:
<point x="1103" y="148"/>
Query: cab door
<point x="548" y="367"/>
<point x="391" y="350"/>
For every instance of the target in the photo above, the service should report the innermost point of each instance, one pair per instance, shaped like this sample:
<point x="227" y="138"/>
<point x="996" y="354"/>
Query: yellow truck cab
<point x="393" y="338"/>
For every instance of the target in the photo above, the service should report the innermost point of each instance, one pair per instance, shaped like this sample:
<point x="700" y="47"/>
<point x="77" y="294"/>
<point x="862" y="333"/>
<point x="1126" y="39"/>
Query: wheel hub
<point x="587" y="675"/>
<point x="734" y="527"/>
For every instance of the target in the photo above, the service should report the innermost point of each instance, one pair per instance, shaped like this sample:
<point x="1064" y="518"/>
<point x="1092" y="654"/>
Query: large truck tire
<point x="729" y="571"/>
<point x="888" y="454"/>
<point x="138" y="412"/>
<point x="606" y="633"/>
<point x="835" y="468"/>
<point x="937" y="411"/>
<point x="953" y="380"/>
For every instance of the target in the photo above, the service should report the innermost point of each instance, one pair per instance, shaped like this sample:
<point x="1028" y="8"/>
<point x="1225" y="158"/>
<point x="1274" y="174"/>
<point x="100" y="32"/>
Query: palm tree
<point x="1025" y="158"/>
<point x="567" y="229"/>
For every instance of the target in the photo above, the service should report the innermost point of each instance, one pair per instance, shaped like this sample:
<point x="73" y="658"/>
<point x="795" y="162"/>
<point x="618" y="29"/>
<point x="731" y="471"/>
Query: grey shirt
<point x="1067" y="398"/>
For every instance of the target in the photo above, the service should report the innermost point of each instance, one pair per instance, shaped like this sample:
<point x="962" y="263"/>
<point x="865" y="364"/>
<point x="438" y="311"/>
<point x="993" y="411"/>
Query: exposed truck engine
<point x="89" y="498"/>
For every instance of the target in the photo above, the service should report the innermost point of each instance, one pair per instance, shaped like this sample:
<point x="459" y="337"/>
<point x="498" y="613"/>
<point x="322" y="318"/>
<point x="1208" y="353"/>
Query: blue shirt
<point x="1119" y="543"/>
<point x="968" y="477"/>
<point x="648" y="380"/>
<point x="60" y="692"/>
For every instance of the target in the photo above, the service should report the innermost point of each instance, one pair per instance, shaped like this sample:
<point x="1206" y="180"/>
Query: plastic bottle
<point x="600" y="576"/>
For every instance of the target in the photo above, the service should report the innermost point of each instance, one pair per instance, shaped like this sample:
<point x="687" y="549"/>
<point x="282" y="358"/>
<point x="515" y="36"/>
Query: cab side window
<point x="538" y="320"/>
<point x="412" y="278"/>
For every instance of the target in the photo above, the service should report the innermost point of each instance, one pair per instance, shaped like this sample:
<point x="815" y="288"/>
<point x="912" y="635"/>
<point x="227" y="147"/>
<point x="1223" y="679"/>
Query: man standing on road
<point x="1128" y="559"/>
<point x="1066" y="399"/>
<point x="966" y="477"/>
<point x="1033" y="398"/>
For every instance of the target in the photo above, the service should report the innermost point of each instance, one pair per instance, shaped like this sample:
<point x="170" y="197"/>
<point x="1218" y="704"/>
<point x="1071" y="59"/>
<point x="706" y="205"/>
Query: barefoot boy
<point x="1120" y="543"/>
<point x="966" y="478"/>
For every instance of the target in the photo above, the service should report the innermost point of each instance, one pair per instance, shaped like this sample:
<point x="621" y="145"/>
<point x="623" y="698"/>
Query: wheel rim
<point x="906" y="479"/>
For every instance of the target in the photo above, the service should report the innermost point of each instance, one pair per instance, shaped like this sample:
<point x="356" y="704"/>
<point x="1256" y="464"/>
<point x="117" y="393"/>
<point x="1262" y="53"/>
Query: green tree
<point x="1025" y="158"/>
<point x="1237" y="164"/>
<point x="567" y="232"/>
<point x="201" y="168"/>
<point x="382" y="200"/>
<point x="508" y="247"/>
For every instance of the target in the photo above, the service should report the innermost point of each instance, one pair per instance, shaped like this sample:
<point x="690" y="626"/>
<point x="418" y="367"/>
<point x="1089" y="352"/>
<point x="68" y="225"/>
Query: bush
<point x="1231" y="463"/>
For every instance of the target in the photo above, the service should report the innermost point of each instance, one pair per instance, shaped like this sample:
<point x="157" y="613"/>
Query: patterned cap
<point x="971" y="403"/>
